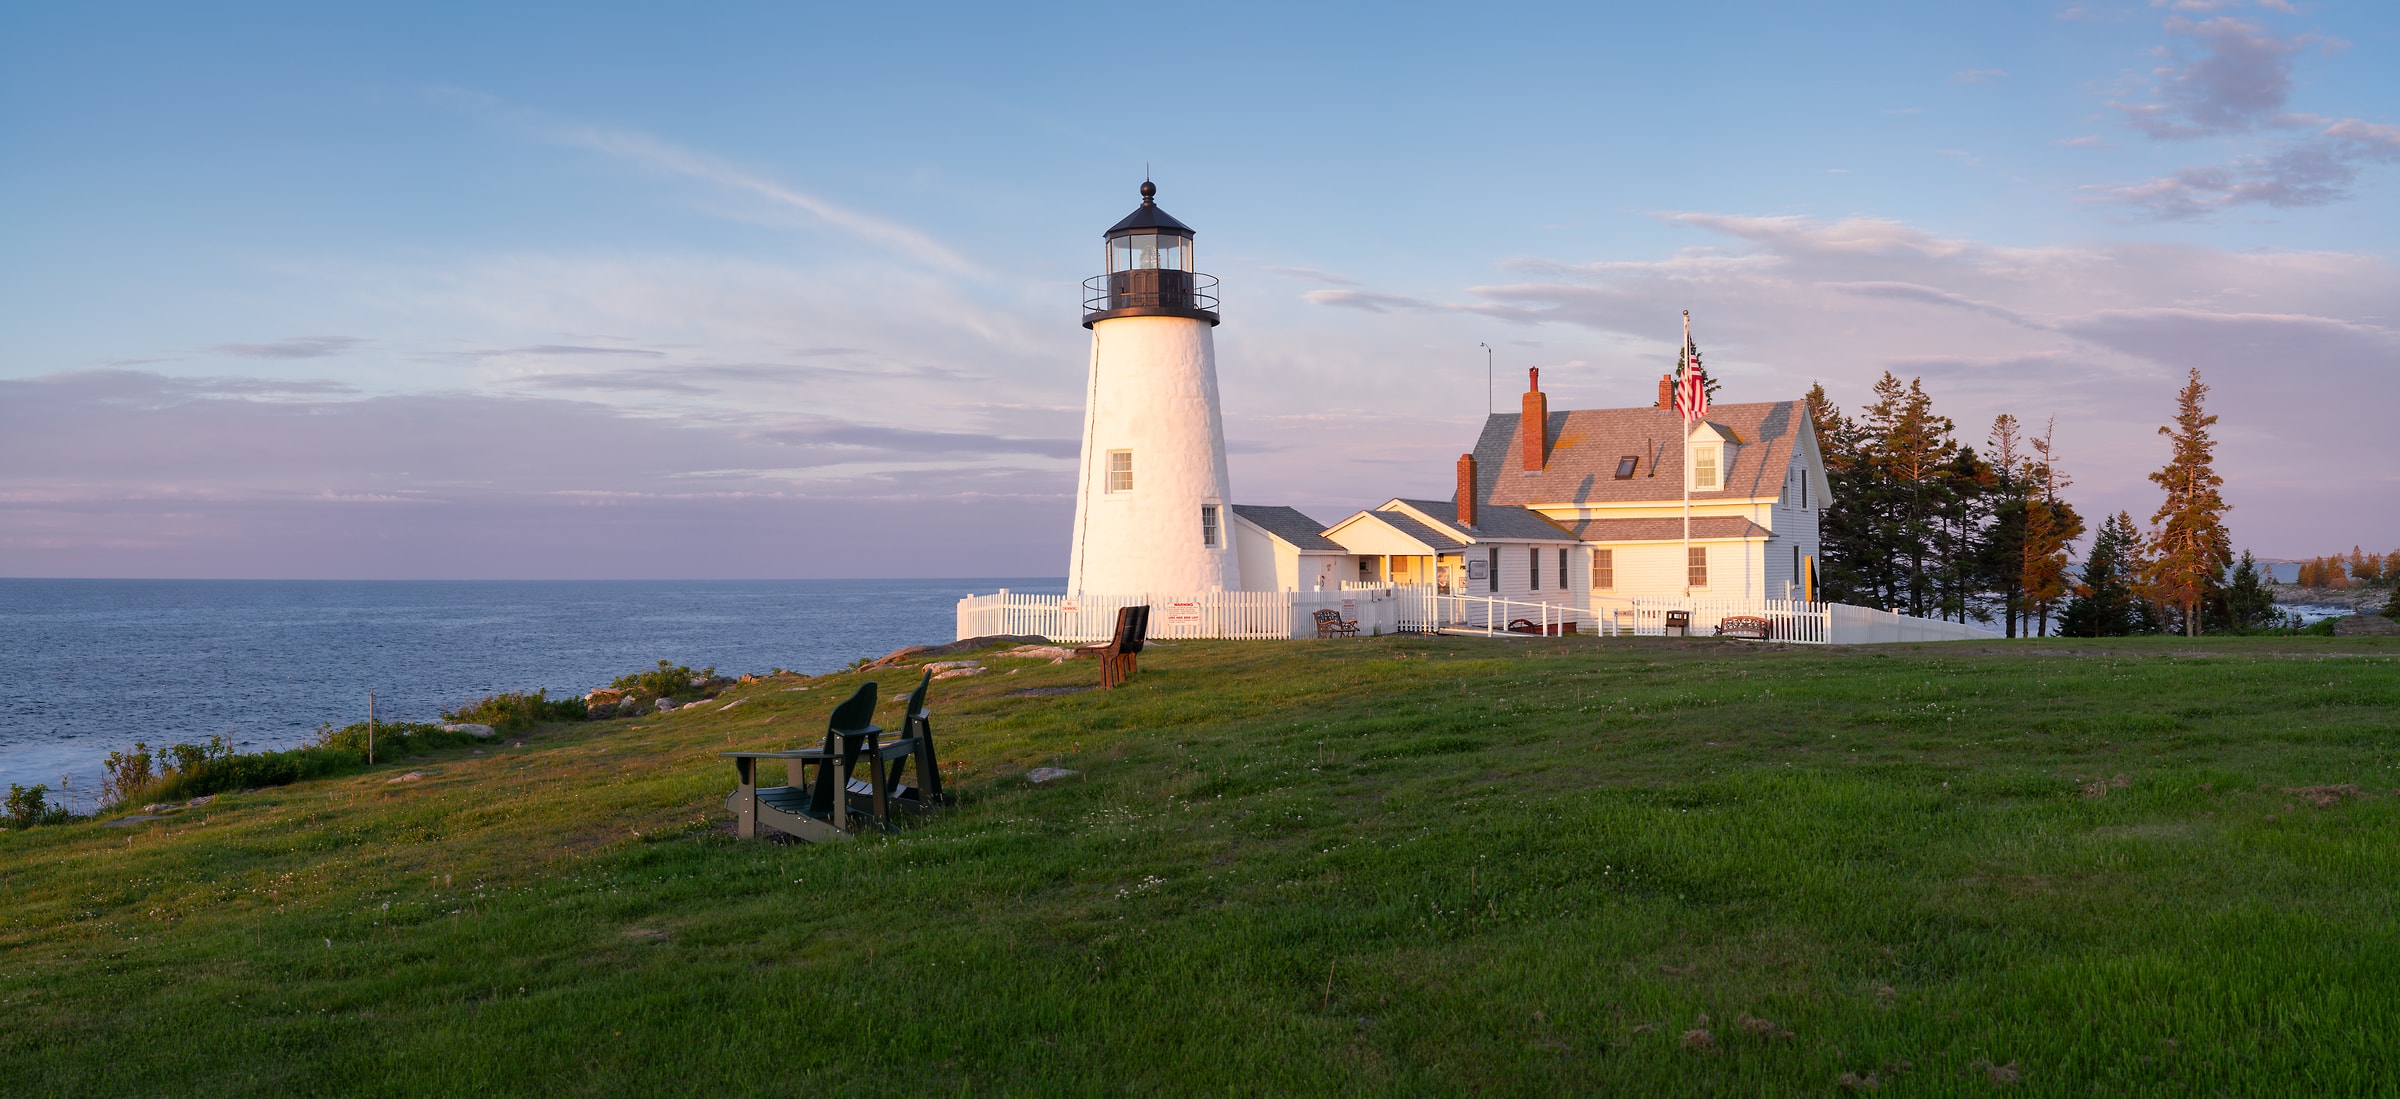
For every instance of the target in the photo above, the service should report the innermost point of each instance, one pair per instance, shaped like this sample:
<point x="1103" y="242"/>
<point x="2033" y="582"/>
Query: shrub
<point x="393" y="739"/>
<point x="177" y="772"/>
<point x="129" y="775"/>
<point x="665" y="681"/>
<point x="511" y="711"/>
<point x="29" y="806"/>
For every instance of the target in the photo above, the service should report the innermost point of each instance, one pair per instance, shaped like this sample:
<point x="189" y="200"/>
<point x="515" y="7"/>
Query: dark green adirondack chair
<point x="915" y="742"/>
<point x="815" y="808"/>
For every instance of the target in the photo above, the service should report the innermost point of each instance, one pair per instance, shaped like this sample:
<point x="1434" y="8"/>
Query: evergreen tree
<point x="2004" y="540"/>
<point x="1909" y="450"/>
<point x="2365" y="567"/>
<point x="2249" y="604"/>
<point x="2106" y="602"/>
<point x="2051" y="527"/>
<point x="2190" y="547"/>
<point x="1844" y="537"/>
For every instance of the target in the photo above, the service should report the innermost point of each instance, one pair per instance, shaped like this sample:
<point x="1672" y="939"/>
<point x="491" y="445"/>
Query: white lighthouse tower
<point x="1151" y="512"/>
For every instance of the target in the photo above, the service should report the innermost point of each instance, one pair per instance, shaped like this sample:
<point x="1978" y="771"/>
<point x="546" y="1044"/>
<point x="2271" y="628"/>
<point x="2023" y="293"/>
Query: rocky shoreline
<point x="2359" y="598"/>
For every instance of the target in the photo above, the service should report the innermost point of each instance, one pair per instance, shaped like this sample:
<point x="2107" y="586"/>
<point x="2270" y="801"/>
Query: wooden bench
<point x="1117" y="662"/>
<point x="1330" y="623"/>
<point x="1746" y="627"/>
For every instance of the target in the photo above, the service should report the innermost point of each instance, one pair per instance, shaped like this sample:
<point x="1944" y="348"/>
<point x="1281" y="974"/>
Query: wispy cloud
<point x="660" y="155"/>
<point x="1309" y="274"/>
<point x="2226" y="78"/>
<point x="2312" y="172"/>
<point x="1366" y="300"/>
<point x="546" y="349"/>
<point x="296" y="347"/>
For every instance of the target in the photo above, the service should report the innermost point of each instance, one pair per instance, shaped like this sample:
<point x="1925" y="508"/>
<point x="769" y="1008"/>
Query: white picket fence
<point x="1421" y="608"/>
<point x="1239" y="615"/>
<point x="1868" y="626"/>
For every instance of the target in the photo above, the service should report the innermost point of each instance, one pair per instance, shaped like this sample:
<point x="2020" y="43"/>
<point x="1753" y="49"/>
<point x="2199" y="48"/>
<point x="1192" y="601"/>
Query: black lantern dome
<point x="1149" y="264"/>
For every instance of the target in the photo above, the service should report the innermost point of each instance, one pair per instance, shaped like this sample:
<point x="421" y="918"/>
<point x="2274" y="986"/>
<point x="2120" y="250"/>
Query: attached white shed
<point x="1281" y="549"/>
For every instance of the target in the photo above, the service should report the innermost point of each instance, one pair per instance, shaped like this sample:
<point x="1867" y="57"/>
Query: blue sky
<point x="783" y="291"/>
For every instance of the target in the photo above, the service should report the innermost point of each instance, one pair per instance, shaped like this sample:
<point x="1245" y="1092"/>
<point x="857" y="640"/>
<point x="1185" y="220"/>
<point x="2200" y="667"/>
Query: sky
<point x="775" y="290"/>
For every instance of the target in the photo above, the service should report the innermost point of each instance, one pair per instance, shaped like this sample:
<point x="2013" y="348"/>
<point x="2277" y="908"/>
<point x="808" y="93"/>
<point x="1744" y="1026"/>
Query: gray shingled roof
<point x="1512" y="523"/>
<point x="1585" y="445"/>
<point x="1664" y="530"/>
<point x="1407" y="524"/>
<point x="1289" y="525"/>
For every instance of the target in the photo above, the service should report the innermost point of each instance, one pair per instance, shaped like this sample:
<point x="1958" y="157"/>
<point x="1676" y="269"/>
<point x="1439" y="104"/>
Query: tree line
<point x="2337" y="571"/>
<point x="1924" y="524"/>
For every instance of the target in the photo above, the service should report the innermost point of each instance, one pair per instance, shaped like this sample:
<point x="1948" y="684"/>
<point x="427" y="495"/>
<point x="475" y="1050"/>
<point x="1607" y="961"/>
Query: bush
<point x="178" y="772"/>
<point x="29" y="806"/>
<point x="666" y="681"/>
<point x="510" y="712"/>
<point x="393" y="739"/>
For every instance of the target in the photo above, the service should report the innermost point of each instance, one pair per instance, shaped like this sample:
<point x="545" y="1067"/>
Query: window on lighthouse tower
<point x="1120" y="471"/>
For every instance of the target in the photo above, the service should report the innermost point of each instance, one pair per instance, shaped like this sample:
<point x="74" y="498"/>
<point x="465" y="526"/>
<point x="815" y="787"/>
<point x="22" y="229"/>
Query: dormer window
<point x="1704" y="466"/>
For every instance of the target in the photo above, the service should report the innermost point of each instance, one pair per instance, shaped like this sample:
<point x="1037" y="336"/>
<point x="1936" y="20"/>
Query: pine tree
<point x="2365" y="567"/>
<point x="2106" y="603"/>
<point x="2190" y="547"/>
<point x="1909" y="450"/>
<point x="2051" y="527"/>
<point x="2249" y="604"/>
<point x="1844" y="536"/>
<point x="2004" y="541"/>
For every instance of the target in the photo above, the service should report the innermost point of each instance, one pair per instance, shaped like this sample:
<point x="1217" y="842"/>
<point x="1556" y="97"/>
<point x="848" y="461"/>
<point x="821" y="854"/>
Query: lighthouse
<point x="1152" y="496"/>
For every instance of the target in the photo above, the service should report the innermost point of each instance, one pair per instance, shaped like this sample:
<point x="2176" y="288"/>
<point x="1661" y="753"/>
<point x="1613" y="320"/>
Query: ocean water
<point x="96" y="665"/>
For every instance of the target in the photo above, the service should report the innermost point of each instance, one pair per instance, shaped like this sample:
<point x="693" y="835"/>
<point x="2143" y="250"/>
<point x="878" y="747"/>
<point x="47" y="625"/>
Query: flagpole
<point x="1682" y="407"/>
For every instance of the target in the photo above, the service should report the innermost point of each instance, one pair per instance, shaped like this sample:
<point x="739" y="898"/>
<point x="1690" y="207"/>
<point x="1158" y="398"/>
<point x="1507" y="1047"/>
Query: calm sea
<point x="99" y="664"/>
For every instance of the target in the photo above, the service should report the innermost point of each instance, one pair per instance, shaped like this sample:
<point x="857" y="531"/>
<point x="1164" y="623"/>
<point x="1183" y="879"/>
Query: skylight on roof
<point x="1625" y="466"/>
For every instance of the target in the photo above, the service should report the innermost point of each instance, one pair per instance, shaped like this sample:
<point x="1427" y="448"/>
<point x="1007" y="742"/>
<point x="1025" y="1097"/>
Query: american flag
<point x="1691" y="384"/>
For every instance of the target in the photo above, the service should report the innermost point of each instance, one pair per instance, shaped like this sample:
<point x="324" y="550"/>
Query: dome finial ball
<point x="1149" y="191"/>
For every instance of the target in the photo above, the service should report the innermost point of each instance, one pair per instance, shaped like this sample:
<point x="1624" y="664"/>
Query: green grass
<point x="1390" y="866"/>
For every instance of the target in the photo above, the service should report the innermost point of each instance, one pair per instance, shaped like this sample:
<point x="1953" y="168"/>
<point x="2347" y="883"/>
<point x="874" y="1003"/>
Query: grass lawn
<point x="1388" y="866"/>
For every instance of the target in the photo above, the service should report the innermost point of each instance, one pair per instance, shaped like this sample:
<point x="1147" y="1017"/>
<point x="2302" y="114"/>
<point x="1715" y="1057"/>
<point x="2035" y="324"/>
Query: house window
<point x="1795" y="562"/>
<point x="1704" y="467"/>
<point x="1604" y="570"/>
<point x="1495" y="577"/>
<point x="1562" y="568"/>
<point x="1697" y="575"/>
<point x="1533" y="575"/>
<point x="1625" y="466"/>
<point x="1804" y="490"/>
<point x="1208" y="525"/>
<point x="1120" y="471"/>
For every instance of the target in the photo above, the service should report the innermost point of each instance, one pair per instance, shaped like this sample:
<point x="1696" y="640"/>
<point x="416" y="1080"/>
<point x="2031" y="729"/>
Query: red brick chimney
<point x="1535" y="424"/>
<point x="1466" y="490"/>
<point x="1666" y="393"/>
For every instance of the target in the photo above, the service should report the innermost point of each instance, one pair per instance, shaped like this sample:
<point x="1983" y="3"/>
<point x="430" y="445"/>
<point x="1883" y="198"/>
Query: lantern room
<point x="1148" y="260"/>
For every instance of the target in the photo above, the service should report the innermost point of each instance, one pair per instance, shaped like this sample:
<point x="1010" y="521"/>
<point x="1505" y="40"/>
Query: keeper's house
<point x="1583" y="504"/>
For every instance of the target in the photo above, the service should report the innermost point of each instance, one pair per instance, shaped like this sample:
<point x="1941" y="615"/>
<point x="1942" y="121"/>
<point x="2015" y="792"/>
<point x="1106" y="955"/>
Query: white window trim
<point x="1716" y="466"/>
